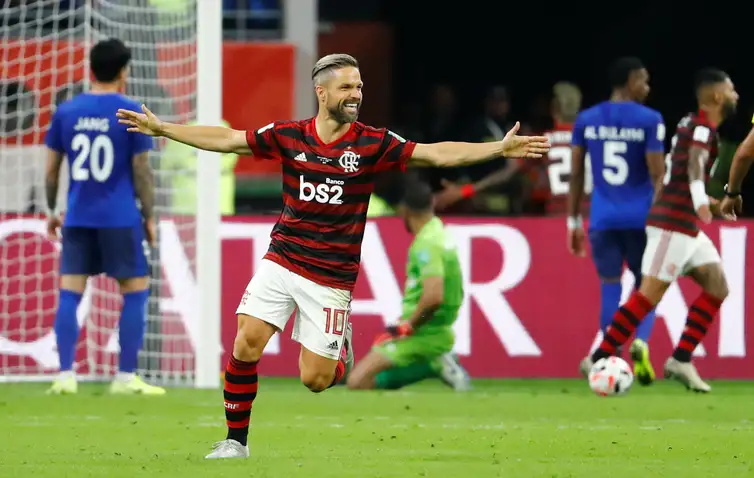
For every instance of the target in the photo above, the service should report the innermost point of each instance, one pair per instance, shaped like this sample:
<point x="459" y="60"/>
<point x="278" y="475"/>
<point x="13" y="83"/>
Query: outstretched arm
<point x="209" y="138"/>
<point x="451" y="154"/>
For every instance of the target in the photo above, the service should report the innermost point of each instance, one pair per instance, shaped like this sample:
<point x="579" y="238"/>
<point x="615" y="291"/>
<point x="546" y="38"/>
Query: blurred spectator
<point x="443" y="123"/>
<point x="496" y="185"/>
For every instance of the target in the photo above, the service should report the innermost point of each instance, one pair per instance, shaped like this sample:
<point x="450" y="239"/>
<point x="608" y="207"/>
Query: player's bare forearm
<point x="697" y="160"/>
<point x="741" y="163"/>
<point x="576" y="183"/>
<point x="52" y="178"/>
<point x="51" y="188"/>
<point x="208" y="138"/>
<point x="448" y="154"/>
<point x="429" y="302"/>
<point x="144" y="184"/>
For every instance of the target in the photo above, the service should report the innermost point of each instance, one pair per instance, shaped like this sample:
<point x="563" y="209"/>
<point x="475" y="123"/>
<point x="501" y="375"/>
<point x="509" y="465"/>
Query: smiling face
<point x="337" y="83"/>
<point x="341" y="94"/>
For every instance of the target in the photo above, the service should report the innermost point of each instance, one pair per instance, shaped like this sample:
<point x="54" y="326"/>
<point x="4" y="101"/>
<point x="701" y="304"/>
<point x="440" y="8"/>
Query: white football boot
<point x="453" y="373"/>
<point x="228" y="449"/>
<point x="686" y="373"/>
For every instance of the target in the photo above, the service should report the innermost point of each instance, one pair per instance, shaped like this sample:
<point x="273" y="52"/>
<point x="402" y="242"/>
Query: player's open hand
<point x="54" y="223"/>
<point x="524" y="146"/>
<point x="576" y="242"/>
<point x="730" y="207"/>
<point x="705" y="213"/>
<point x="146" y="122"/>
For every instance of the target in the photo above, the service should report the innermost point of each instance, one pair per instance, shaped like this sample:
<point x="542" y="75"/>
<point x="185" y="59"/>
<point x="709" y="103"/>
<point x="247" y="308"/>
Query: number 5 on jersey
<point x="99" y="153"/>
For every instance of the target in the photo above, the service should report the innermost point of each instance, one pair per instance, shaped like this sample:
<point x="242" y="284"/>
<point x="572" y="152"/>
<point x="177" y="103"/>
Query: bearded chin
<point x="341" y="116"/>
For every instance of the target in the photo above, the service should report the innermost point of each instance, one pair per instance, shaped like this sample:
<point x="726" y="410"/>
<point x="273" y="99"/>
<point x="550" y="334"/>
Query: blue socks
<point x="67" y="328"/>
<point x="609" y="302"/>
<point x="131" y="328"/>
<point x="133" y="322"/>
<point x="644" y="331"/>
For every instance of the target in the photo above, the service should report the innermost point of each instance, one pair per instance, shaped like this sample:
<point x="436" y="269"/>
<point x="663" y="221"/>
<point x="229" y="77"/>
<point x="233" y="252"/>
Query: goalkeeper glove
<point x="403" y="329"/>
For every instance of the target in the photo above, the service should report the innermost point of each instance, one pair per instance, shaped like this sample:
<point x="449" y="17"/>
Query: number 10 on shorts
<point x="335" y="321"/>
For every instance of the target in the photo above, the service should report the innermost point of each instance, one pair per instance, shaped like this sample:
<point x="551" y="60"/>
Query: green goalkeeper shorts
<point x="423" y="346"/>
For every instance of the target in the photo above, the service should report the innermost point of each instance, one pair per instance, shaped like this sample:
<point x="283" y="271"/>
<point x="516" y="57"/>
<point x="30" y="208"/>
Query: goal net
<point x="45" y="62"/>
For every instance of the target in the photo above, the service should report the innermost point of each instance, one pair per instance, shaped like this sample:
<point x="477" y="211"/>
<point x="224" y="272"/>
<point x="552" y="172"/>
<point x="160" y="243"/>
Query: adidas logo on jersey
<point x="333" y="346"/>
<point x="300" y="157"/>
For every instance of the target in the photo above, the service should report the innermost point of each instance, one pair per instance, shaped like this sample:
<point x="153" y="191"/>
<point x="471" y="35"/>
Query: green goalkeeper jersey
<point x="433" y="254"/>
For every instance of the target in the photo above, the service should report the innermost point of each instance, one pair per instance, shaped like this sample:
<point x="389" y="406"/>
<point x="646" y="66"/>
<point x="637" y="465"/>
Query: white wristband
<point x="574" y="223"/>
<point x="698" y="193"/>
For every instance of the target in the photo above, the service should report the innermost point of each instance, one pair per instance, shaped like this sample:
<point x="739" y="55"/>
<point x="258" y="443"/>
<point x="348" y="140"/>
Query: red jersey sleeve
<point x="263" y="142"/>
<point x="396" y="152"/>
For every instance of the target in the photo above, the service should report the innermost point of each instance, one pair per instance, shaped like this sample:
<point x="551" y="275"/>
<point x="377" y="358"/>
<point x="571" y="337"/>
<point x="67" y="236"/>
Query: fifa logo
<point x="349" y="161"/>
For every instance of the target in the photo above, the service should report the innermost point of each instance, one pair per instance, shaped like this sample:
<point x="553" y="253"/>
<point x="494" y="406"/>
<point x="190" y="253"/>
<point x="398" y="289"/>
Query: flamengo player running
<point x="675" y="245"/>
<point x="624" y="140"/>
<point x="420" y="345"/>
<point x="103" y="230"/>
<point x="329" y="167"/>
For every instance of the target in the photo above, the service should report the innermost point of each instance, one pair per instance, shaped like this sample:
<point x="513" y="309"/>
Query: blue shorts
<point x="119" y="252"/>
<point x="611" y="248"/>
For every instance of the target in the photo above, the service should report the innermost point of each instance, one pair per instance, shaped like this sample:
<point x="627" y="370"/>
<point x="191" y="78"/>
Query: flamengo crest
<point x="349" y="161"/>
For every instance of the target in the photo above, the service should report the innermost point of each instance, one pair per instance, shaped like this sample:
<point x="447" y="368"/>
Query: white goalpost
<point x="177" y="71"/>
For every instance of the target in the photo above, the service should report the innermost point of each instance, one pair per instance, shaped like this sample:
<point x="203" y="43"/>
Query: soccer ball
<point x="610" y="376"/>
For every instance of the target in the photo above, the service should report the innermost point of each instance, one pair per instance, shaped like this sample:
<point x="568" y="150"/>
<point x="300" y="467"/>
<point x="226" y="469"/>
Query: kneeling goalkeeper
<point x="420" y="345"/>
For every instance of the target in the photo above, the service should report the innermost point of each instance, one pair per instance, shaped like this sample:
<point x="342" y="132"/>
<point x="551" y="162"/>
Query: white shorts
<point x="322" y="312"/>
<point x="670" y="254"/>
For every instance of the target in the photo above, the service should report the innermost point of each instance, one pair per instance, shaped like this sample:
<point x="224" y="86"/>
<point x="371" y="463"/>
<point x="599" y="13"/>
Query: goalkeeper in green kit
<point x="420" y="345"/>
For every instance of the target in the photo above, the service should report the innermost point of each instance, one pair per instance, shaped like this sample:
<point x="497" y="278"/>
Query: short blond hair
<point x="329" y="63"/>
<point x="568" y="97"/>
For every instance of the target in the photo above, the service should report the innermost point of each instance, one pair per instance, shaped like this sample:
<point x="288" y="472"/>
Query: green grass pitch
<point x="521" y="428"/>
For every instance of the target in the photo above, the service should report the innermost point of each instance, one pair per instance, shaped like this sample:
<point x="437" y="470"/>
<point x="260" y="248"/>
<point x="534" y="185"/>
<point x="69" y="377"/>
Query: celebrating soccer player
<point x="419" y="346"/>
<point x="675" y="245"/>
<point x="329" y="167"/>
<point x="624" y="141"/>
<point x="103" y="231"/>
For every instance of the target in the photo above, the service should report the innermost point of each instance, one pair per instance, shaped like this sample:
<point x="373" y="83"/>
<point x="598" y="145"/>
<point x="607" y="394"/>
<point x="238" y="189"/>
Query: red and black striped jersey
<point x="326" y="191"/>
<point x="674" y="209"/>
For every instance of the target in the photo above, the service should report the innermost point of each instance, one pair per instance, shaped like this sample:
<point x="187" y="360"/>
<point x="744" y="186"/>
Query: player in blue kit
<point x="624" y="142"/>
<point x="104" y="230"/>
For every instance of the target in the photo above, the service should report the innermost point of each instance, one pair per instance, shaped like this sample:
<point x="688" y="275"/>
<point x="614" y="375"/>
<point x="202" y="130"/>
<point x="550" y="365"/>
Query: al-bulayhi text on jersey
<point x="617" y="137"/>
